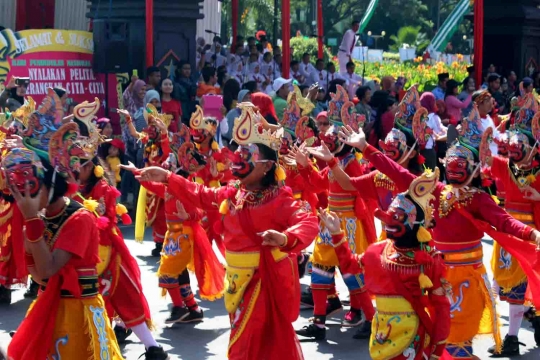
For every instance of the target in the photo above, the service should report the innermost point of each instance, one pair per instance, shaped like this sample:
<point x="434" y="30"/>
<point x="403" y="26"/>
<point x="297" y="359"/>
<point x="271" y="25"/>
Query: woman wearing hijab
<point x="266" y="107"/>
<point x="134" y="95"/>
<point x="256" y="76"/>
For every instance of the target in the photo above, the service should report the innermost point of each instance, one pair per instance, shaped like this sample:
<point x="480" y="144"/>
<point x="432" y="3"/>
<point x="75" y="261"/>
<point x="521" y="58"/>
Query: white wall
<point x="8" y="13"/>
<point x="212" y="20"/>
<point x="70" y="15"/>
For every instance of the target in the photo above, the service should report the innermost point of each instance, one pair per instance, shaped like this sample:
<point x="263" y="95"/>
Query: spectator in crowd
<point x="214" y="58"/>
<point x="384" y="121"/>
<point x="506" y="96"/>
<point x="353" y="80"/>
<point x="453" y="105"/>
<point x="484" y="101"/>
<point x="377" y="100"/>
<point x="494" y="87"/>
<point x="208" y="86"/>
<point x="319" y="75"/>
<point x="13" y="95"/>
<point x="469" y="87"/>
<point x="282" y="88"/>
<point x="153" y="73"/>
<point x="296" y="74"/>
<point x="320" y="103"/>
<point x="427" y="100"/>
<point x="440" y="91"/>
<point x="512" y="82"/>
<point x="134" y="95"/>
<point x="442" y="111"/>
<point x="332" y="88"/>
<point x="169" y="105"/>
<point x="363" y="93"/>
<point x="322" y="122"/>
<point x="306" y="68"/>
<point x="105" y="127"/>
<point x="331" y="74"/>
<point x="251" y="86"/>
<point x="185" y="90"/>
<point x="234" y="112"/>
<point x="266" y="107"/>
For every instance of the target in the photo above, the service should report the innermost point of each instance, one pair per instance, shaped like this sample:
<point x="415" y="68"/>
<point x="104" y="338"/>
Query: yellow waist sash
<point x="240" y="269"/>
<point x="394" y="327"/>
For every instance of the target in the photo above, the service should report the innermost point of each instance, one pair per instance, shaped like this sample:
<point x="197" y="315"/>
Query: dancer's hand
<point x="321" y="152"/>
<point x="181" y="212"/>
<point x="330" y="220"/>
<point x="273" y="238"/>
<point x="535" y="236"/>
<point x="213" y="167"/>
<point x="153" y="173"/>
<point x="350" y="137"/>
<point x="300" y="155"/>
<point x="530" y="193"/>
<point x="28" y="205"/>
<point x="129" y="167"/>
<point x="123" y="112"/>
<point x="161" y="126"/>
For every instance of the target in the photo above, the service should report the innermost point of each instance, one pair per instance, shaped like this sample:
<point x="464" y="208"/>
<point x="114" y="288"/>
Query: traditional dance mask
<point x="21" y="166"/>
<point x="202" y="127"/>
<point x="244" y="160"/>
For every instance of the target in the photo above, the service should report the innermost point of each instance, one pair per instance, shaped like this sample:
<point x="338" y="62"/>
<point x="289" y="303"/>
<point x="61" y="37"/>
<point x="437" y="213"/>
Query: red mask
<point x="245" y="158"/>
<point x="517" y="149"/>
<point x="394" y="145"/>
<point x="199" y="136"/>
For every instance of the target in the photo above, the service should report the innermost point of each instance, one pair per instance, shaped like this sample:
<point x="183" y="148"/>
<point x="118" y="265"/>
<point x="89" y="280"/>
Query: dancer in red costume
<point x="517" y="174"/>
<point x="68" y="319"/>
<point x="405" y="275"/>
<point x="403" y="145"/>
<point x="203" y="130"/>
<point x="463" y="213"/>
<point x="119" y="274"/>
<point x="186" y="241"/>
<point x="357" y="220"/>
<point x="13" y="271"/>
<point x="262" y="224"/>
<point x="156" y="150"/>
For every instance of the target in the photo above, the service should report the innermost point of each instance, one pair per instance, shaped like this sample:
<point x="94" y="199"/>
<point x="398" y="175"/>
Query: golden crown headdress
<point x="420" y="191"/>
<point x="199" y="122"/>
<point x="151" y="112"/>
<point x="23" y="113"/>
<point x="85" y="113"/>
<point x="248" y="129"/>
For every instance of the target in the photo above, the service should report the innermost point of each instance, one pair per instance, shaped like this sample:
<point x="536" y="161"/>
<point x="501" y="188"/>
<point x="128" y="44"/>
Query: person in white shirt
<point x="306" y="68"/>
<point x="267" y="67"/>
<point x="296" y="74"/>
<point x="484" y="101"/>
<point x="237" y="61"/>
<point x="320" y="75"/>
<point x="353" y="80"/>
<point x="347" y="46"/>
<point x="332" y="74"/>
<point x="255" y="75"/>
<point x="214" y="56"/>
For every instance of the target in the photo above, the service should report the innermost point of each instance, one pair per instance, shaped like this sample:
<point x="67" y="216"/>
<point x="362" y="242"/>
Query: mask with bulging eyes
<point x="394" y="145"/>
<point x="22" y="166"/>
<point x="244" y="160"/>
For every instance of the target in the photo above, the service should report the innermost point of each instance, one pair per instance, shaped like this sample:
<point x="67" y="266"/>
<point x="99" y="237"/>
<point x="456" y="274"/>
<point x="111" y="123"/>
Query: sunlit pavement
<point x="208" y="340"/>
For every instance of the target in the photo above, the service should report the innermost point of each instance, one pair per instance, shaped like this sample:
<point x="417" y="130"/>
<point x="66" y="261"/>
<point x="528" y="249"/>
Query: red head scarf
<point x="265" y="104"/>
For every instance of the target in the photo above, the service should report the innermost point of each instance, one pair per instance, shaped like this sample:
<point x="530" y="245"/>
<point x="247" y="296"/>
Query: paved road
<point x="208" y="340"/>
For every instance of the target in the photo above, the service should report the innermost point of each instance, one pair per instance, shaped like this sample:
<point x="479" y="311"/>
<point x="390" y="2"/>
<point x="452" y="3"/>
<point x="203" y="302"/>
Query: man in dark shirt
<point x="494" y="87"/>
